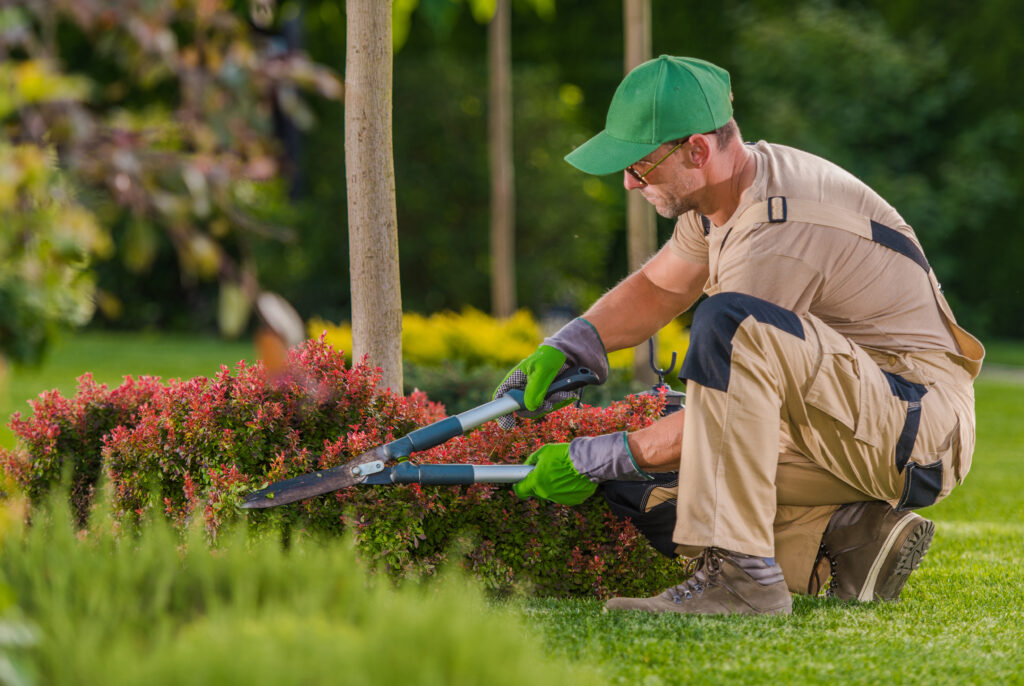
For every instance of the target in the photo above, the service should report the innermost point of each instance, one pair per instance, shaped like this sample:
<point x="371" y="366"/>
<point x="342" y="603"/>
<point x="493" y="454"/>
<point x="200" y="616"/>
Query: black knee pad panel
<point x="715" y="321"/>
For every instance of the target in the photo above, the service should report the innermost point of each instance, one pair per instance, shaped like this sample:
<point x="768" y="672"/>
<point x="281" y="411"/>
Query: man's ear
<point x="699" y="150"/>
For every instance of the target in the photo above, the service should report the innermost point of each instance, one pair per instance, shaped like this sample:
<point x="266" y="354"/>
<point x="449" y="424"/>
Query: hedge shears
<point x="371" y="467"/>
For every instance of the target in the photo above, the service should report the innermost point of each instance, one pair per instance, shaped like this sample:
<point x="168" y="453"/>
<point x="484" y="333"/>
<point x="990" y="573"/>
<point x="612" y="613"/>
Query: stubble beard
<point x="672" y="205"/>
<point x="675" y="206"/>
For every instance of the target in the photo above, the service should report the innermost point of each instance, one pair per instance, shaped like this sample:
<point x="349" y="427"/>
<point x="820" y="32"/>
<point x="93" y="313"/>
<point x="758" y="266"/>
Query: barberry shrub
<point x="64" y="437"/>
<point x="193" y="449"/>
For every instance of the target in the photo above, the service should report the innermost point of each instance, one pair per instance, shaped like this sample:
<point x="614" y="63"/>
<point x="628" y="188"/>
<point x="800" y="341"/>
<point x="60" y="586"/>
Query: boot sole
<point x="611" y="606"/>
<point x="908" y="558"/>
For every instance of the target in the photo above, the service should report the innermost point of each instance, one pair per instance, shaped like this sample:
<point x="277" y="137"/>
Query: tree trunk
<point x="641" y="232"/>
<point x="370" y="175"/>
<point x="503" y="211"/>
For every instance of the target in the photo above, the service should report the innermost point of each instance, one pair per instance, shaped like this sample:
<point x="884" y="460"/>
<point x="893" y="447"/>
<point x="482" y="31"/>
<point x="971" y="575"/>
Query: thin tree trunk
<point x="499" y="64"/>
<point x="640" y="223"/>
<point x="370" y="175"/>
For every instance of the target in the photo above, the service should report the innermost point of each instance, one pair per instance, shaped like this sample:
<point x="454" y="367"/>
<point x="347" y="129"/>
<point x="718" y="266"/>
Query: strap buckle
<point x="777" y="209"/>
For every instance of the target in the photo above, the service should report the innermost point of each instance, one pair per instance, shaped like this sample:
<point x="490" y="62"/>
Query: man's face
<point x="671" y="185"/>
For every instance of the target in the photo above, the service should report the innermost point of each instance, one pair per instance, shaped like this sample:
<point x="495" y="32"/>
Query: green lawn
<point x="960" y="619"/>
<point x="1005" y="353"/>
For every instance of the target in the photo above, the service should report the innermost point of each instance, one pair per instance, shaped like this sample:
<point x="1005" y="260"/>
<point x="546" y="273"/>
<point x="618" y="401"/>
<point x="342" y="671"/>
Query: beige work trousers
<point x="748" y="486"/>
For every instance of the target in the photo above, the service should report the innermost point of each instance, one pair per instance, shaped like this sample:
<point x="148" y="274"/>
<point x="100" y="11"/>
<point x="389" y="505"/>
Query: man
<point x="829" y="389"/>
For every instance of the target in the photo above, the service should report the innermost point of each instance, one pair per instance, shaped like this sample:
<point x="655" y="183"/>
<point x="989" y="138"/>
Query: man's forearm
<point x="658" y="447"/>
<point x="634" y="310"/>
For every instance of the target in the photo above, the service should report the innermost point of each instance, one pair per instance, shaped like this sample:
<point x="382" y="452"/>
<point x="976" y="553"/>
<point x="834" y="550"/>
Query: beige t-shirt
<point x="871" y="294"/>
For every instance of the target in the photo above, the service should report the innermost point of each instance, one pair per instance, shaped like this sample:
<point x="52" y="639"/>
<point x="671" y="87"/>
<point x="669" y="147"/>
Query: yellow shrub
<point x="478" y="339"/>
<point x="422" y="341"/>
<point x="672" y="338"/>
<point x="338" y="335"/>
<point x="473" y="337"/>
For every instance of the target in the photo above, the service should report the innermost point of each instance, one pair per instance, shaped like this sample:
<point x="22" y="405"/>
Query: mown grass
<point x="959" y="621"/>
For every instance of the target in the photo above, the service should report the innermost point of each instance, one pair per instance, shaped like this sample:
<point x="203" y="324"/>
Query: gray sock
<point x="763" y="570"/>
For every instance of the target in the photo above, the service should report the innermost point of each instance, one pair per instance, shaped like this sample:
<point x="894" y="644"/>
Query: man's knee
<point x="715" y="321"/>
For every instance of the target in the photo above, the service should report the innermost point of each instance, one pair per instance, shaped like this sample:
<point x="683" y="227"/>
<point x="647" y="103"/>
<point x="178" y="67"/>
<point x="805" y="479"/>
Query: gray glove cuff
<point x="605" y="458"/>
<point x="582" y="346"/>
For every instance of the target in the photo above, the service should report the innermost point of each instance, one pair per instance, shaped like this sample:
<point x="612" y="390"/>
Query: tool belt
<point x="649" y="505"/>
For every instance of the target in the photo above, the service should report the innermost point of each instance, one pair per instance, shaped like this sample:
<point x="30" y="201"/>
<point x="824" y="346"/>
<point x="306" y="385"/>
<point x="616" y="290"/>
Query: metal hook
<point x="660" y="372"/>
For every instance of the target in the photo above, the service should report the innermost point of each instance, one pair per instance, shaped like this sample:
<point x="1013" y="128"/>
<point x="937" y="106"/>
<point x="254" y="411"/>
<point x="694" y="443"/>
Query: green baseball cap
<point x="661" y="100"/>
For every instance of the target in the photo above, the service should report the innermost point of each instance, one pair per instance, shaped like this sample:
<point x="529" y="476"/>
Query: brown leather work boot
<point x="724" y="583"/>
<point x="873" y="549"/>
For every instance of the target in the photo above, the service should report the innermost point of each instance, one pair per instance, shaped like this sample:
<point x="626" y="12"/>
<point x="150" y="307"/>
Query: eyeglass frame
<point x="640" y="177"/>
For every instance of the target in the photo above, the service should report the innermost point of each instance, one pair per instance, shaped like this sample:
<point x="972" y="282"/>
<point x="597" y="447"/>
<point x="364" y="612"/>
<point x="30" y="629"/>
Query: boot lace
<point x="816" y="582"/>
<point x="703" y="572"/>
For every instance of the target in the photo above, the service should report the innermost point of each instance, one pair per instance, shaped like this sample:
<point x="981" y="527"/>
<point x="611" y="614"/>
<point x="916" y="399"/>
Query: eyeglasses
<point x="640" y="177"/>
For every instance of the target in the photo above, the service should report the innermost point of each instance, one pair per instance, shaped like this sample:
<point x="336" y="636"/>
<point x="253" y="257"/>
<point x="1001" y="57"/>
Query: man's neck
<point x="727" y="185"/>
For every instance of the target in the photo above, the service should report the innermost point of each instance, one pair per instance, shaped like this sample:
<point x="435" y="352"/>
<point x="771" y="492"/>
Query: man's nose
<point x="630" y="182"/>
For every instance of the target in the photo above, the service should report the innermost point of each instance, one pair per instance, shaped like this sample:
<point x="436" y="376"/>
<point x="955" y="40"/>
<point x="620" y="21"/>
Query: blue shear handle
<point x="433" y="474"/>
<point x="435" y="434"/>
<point x="450" y="427"/>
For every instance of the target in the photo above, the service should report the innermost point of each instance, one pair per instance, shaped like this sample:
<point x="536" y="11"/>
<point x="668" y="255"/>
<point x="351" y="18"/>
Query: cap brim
<point x="604" y="154"/>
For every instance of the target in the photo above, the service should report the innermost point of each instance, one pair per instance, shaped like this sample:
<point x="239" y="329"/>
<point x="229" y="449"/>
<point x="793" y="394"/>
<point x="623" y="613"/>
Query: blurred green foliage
<point x="47" y="243"/>
<point x="165" y="117"/>
<point x="159" y="608"/>
<point x="889" y="109"/>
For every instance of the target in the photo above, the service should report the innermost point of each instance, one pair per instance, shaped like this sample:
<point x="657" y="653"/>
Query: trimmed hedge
<point x="192" y="449"/>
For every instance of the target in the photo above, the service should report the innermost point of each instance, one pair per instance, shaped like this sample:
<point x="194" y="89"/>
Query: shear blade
<point x="312" y="484"/>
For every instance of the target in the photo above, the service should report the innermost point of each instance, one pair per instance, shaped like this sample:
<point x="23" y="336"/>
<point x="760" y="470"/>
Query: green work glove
<point x="575" y="344"/>
<point x="554" y="477"/>
<point x="568" y="473"/>
<point x="540" y="369"/>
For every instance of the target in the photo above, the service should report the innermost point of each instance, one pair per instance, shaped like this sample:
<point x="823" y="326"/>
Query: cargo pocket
<point x="839" y="391"/>
<point x="929" y="482"/>
<point x="922" y="487"/>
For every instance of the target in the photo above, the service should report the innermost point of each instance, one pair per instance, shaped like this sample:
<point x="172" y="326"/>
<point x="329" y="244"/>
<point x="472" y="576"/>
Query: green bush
<point x="454" y="384"/>
<point x="146" y="609"/>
